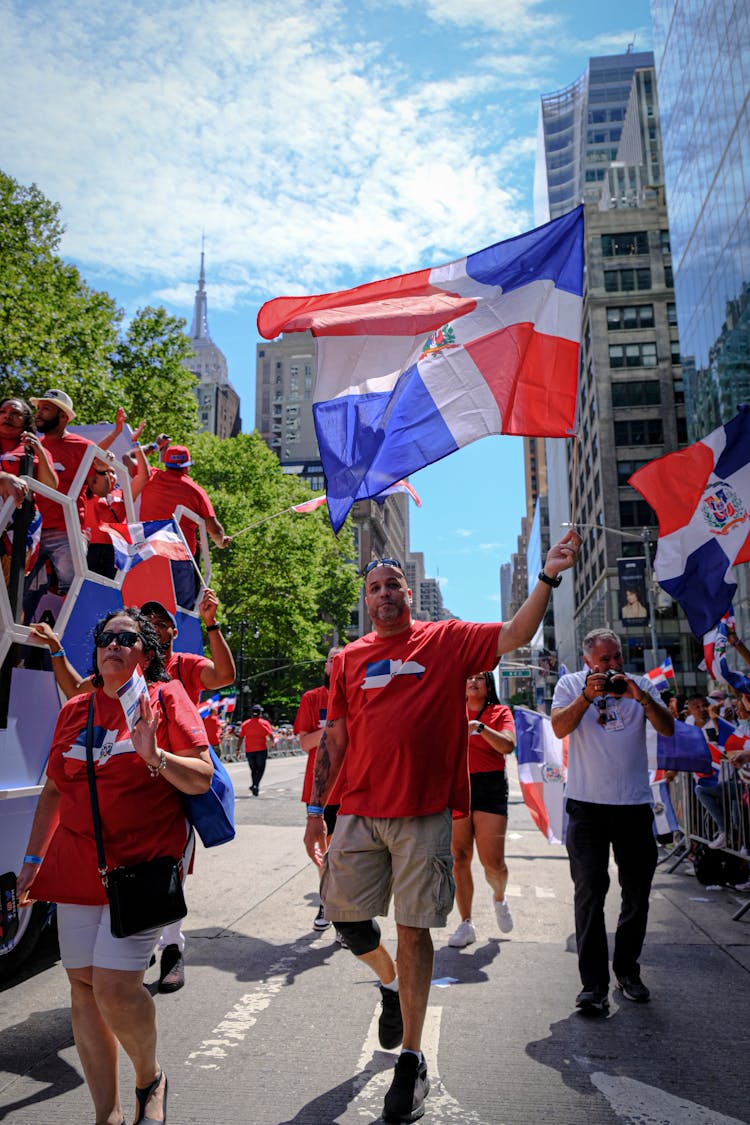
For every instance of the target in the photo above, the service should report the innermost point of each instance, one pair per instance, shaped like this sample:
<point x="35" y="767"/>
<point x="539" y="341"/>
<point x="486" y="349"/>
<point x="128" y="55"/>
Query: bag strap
<point x="92" y="791"/>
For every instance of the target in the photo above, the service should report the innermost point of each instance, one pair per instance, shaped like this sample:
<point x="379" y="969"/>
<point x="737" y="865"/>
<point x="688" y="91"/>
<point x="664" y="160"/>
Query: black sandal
<point x="143" y="1093"/>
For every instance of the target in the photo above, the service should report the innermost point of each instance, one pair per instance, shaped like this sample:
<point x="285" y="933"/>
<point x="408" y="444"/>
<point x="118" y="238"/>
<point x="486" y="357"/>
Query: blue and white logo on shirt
<point x="381" y="672"/>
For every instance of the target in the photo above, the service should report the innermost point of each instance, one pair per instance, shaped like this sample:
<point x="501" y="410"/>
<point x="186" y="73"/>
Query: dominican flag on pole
<point x="662" y="677"/>
<point x="542" y="770"/>
<point x="400" y="486"/>
<point x="138" y="542"/>
<point x="715" y="645"/>
<point x="701" y="496"/>
<point x="412" y="368"/>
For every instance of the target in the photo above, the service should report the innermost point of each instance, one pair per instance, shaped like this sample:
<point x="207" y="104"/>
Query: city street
<point x="277" y="1025"/>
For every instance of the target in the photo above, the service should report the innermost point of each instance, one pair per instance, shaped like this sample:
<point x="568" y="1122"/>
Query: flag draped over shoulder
<point x="412" y="368"/>
<point x="701" y="496"/>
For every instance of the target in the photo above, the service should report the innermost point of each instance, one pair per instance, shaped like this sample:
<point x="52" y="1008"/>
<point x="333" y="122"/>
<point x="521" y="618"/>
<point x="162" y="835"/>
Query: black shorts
<point x="329" y="816"/>
<point x="489" y="792"/>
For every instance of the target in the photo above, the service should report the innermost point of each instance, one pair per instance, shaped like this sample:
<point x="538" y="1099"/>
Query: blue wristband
<point x="314" y="810"/>
<point x="35" y="859"/>
<point x="60" y="652"/>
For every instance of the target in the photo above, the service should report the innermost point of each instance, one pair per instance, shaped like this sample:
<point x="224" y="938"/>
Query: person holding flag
<point x="391" y="691"/>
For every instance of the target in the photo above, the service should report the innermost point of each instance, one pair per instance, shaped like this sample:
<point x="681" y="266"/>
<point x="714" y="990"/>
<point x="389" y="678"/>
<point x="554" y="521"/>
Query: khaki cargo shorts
<point x="372" y="858"/>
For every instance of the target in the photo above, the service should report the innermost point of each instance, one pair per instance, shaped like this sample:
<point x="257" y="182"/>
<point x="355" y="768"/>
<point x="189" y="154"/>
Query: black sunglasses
<point x="126" y="639"/>
<point x="381" y="562"/>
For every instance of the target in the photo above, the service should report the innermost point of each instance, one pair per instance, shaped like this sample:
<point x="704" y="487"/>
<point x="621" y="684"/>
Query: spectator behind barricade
<point x="724" y="796"/>
<point x="212" y="723"/>
<point x="697" y="707"/>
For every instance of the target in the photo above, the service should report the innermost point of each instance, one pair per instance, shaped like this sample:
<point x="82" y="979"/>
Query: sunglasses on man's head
<point x="125" y="639"/>
<point x="380" y="562"/>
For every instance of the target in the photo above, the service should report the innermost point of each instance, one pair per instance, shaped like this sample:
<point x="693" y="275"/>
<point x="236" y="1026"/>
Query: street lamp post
<point x="644" y="537"/>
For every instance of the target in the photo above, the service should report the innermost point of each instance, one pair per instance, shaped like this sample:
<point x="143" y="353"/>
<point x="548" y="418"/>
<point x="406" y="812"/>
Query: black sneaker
<point x="633" y="988"/>
<point x="321" y="922"/>
<point x="593" y="1001"/>
<point x="390" y="1024"/>
<point x="171" y="970"/>
<point x="409" y="1088"/>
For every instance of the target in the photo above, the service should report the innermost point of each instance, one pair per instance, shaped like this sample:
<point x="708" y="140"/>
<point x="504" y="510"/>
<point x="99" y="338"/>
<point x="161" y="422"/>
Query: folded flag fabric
<point x="412" y="368"/>
<point x="731" y="741"/>
<point x="542" y="770"/>
<point x="701" y="496"/>
<point x="687" y="750"/>
<point x="662" y="677"/>
<point x="137" y="542"/>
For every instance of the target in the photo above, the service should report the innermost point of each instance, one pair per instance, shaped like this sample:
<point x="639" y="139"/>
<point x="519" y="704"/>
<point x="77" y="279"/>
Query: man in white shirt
<point x="609" y="804"/>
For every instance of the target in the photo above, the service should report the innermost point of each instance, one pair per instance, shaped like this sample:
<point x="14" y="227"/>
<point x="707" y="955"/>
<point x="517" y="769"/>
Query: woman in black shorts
<point x="492" y="735"/>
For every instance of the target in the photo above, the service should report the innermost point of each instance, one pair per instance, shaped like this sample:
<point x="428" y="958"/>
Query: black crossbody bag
<point x="144" y="896"/>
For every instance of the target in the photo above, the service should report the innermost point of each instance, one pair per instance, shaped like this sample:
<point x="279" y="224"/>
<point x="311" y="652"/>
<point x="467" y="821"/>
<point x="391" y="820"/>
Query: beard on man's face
<point x="44" y="425"/>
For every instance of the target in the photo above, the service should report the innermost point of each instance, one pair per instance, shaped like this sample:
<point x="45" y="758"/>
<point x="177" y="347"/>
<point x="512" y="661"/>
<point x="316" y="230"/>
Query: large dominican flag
<point x="412" y="368"/>
<point x="701" y="496"/>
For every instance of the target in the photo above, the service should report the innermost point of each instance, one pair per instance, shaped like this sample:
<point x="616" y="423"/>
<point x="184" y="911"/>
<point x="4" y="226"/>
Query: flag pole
<point x="574" y="496"/>
<point x="265" y="519"/>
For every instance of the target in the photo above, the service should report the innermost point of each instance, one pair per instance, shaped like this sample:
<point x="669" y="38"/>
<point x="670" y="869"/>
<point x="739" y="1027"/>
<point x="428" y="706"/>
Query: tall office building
<point x="631" y="406"/>
<point x="705" y="112"/>
<point x="579" y="132"/>
<point x="218" y="402"/>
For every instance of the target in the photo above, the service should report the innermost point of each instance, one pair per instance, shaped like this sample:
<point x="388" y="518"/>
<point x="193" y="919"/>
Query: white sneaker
<point x="504" y="916"/>
<point x="466" y="934"/>
<point x="720" y="841"/>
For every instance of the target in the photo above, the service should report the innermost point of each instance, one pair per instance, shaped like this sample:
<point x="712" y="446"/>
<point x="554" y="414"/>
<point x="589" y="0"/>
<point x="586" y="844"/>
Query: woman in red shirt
<point x="140" y="774"/>
<point x="492" y="735"/>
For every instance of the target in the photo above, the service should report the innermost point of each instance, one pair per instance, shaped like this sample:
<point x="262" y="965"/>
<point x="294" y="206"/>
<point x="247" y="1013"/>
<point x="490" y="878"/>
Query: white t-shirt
<point x="607" y="763"/>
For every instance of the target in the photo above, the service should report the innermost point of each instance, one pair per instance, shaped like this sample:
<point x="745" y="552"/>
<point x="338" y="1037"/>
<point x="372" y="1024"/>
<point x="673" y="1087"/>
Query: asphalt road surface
<point x="277" y="1025"/>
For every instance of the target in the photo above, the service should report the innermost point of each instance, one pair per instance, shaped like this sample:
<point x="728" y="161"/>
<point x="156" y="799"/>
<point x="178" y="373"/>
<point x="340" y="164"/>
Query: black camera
<point x="616" y="684"/>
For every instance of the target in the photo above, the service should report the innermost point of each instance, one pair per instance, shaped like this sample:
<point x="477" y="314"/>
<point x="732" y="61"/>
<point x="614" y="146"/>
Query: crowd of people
<point x="407" y="747"/>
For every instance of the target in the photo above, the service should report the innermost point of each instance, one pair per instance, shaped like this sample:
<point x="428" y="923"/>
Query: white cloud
<point x="463" y="533"/>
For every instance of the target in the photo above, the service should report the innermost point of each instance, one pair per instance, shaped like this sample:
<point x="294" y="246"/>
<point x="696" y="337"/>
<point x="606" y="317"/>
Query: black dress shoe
<point x="593" y="1001"/>
<point x="633" y="988"/>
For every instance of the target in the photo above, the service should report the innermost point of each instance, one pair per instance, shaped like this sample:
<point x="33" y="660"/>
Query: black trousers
<point x="257" y="759"/>
<point x="629" y="830"/>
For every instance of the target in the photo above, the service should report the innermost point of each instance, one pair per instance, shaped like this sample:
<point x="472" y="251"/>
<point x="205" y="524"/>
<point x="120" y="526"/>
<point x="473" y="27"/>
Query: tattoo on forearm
<point x="322" y="769"/>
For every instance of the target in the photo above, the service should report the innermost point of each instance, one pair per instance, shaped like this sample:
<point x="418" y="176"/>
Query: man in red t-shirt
<point x="212" y="723"/>
<point x="395" y="739"/>
<point x="257" y="735"/>
<point x="170" y="486"/>
<point x="54" y="410"/>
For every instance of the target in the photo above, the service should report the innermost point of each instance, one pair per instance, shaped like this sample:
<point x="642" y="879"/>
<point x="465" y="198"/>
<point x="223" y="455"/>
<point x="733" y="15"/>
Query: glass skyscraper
<point x="702" y="50"/>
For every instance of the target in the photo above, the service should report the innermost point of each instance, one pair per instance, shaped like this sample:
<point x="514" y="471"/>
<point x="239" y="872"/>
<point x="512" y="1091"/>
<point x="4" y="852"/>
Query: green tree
<point x="55" y="331"/>
<point x="289" y="579"/>
<point x="149" y="379"/>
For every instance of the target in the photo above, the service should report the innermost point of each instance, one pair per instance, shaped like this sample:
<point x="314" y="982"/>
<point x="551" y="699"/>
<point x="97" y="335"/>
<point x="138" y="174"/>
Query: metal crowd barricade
<point x="698" y="826"/>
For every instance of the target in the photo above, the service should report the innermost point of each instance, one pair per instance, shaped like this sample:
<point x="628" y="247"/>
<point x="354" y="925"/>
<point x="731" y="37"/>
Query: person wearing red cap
<point x="170" y="486"/>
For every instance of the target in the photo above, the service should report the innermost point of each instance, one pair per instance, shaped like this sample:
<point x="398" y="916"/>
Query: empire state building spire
<point x="199" y="328"/>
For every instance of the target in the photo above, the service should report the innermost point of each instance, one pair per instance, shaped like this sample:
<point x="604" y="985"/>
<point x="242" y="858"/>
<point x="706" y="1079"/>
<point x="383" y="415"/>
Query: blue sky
<point x="318" y="146"/>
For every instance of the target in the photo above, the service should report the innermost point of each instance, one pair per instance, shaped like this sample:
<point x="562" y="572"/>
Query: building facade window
<point x="637" y="392"/>
<point x="639" y="431"/>
<point x="630" y="316"/>
<point x="617" y="245"/>
<point x="627" y="280"/>
<point x="633" y="355"/>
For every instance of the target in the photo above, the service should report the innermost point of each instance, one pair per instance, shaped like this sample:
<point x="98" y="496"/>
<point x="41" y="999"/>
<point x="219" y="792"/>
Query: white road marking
<point x="544" y="892"/>
<point x="231" y="1031"/>
<point x="636" y="1101"/>
<point x="372" y="1081"/>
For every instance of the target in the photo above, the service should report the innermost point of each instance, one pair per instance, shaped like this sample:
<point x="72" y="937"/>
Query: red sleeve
<point x="337" y="690"/>
<point x="180" y="728"/>
<point x="71" y="723"/>
<point x="499" y="718"/>
<point x="306" y="721"/>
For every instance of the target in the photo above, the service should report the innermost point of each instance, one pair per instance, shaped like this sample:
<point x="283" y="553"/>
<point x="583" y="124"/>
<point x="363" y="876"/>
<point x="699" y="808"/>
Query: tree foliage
<point x="55" y="331"/>
<point x="289" y="578"/>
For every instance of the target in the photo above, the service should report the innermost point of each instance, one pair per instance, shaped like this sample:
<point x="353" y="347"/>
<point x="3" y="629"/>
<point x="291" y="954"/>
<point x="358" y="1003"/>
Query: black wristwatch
<point x="554" y="582"/>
